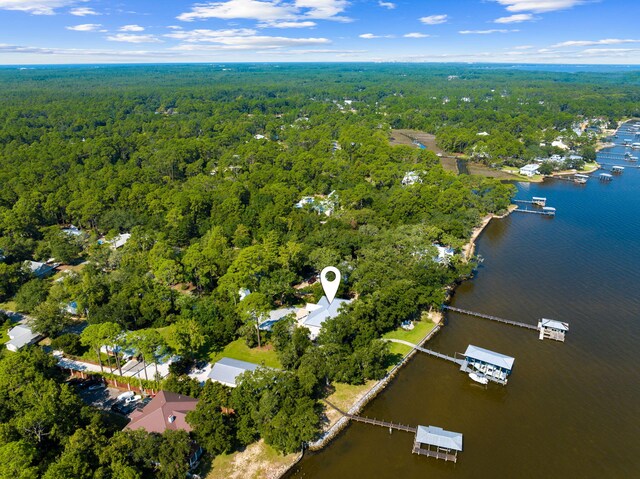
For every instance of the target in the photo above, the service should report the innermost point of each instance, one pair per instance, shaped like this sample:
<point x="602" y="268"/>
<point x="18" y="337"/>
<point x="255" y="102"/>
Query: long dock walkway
<point x="489" y="317"/>
<point x="428" y="351"/>
<point x="535" y="212"/>
<point x="374" y="422"/>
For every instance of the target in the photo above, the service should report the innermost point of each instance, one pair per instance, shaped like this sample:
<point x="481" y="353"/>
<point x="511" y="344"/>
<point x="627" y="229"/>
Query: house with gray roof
<point x="227" y="370"/>
<point x="40" y="270"/>
<point x="317" y="314"/>
<point x="21" y="336"/>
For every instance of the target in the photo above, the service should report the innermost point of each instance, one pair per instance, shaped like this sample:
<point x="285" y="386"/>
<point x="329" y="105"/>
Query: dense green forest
<point x="204" y="165"/>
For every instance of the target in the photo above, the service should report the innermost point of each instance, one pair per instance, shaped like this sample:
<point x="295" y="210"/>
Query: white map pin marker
<point x="330" y="287"/>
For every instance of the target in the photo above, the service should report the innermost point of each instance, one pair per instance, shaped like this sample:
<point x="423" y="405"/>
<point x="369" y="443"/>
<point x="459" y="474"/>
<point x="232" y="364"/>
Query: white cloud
<point x="85" y="27"/>
<point x="250" y="43"/>
<point x="83" y="11"/>
<point x="388" y="5"/>
<point x="517" y="18"/>
<point x="235" y="38"/>
<point x="587" y="43"/>
<point x="434" y="19"/>
<point x="609" y="51"/>
<point x="131" y="28"/>
<point x="323" y="9"/>
<point x="35" y="7"/>
<point x="205" y="35"/>
<point x="132" y="38"/>
<point x="539" y="6"/>
<point x="415" y="35"/>
<point x="5" y="48"/>
<point x="268" y="10"/>
<point x="174" y="27"/>
<point x="523" y="47"/>
<point x="485" y="32"/>
<point x="371" y="36"/>
<point x="285" y="24"/>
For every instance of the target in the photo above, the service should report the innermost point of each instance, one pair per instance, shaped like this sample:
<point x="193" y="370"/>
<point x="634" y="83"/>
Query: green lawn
<point x="421" y="329"/>
<point x="4" y="337"/>
<point x="239" y="350"/>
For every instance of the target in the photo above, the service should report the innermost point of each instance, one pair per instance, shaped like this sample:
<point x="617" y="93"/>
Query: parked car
<point x="124" y="396"/>
<point x="132" y="399"/>
<point x="95" y="387"/>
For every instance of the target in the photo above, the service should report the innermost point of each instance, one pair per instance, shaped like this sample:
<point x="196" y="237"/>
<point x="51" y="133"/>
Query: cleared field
<point x="407" y="137"/>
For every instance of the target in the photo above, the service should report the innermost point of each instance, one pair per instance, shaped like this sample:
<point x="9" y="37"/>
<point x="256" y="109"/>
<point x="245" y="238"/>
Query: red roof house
<point x="165" y="411"/>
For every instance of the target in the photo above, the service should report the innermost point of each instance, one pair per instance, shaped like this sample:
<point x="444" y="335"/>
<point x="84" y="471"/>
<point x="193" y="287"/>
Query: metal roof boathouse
<point x="552" y="329"/>
<point x="439" y="443"/>
<point x="494" y="366"/>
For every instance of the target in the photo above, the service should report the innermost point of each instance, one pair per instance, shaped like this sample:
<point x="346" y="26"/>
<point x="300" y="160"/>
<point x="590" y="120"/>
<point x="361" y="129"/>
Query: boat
<point x="479" y="378"/>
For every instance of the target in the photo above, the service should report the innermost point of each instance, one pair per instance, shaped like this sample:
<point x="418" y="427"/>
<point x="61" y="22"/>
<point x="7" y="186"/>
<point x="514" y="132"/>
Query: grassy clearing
<point x="239" y="350"/>
<point x="257" y="461"/>
<point x="9" y="306"/>
<point x="516" y="172"/>
<point x="420" y="330"/>
<point x="345" y="395"/>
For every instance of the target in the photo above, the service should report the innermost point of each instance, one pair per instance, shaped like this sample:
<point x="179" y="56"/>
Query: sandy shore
<point x="470" y="247"/>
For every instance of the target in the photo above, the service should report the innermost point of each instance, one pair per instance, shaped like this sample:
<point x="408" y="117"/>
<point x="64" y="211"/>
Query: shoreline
<point x="469" y="248"/>
<point x="337" y="427"/>
<point x="436" y="317"/>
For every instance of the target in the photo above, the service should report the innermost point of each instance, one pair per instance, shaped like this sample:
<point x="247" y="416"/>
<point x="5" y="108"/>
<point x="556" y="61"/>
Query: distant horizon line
<point x="390" y="62"/>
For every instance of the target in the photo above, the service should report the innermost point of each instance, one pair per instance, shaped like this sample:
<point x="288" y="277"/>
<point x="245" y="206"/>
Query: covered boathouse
<point x="552" y="329"/>
<point x="439" y="443"/>
<point x="494" y="366"/>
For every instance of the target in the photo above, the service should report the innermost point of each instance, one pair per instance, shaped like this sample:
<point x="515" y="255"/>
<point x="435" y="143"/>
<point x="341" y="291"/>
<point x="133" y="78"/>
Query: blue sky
<point x="136" y="31"/>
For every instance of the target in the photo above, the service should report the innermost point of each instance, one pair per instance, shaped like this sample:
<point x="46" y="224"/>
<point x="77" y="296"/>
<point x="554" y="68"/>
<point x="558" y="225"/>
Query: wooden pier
<point x="430" y="352"/>
<point x="544" y="212"/>
<point x="437" y="453"/>
<point x="490" y="318"/>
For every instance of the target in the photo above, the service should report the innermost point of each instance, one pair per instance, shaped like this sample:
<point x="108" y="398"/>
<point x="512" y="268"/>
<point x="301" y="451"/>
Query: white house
<point x="312" y="316"/>
<point x="72" y="231"/>
<point x="411" y="178"/>
<point x="529" y="170"/>
<point x="20" y="336"/>
<point x="117" y="241"/>
<point x="444" y="254"/>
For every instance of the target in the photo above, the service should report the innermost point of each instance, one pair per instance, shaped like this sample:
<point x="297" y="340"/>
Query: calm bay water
<point x="570" y="410"/>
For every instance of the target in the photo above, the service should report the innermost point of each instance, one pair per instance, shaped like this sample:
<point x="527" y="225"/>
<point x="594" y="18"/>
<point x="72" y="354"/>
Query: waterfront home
<point x="227" y="370"/>
<point x="21" y="336"/>
<point x="444" y="254"/>
<point x="529" y="170"/>
<point x="312" y="316"/>
<point x="40" y="270"/>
